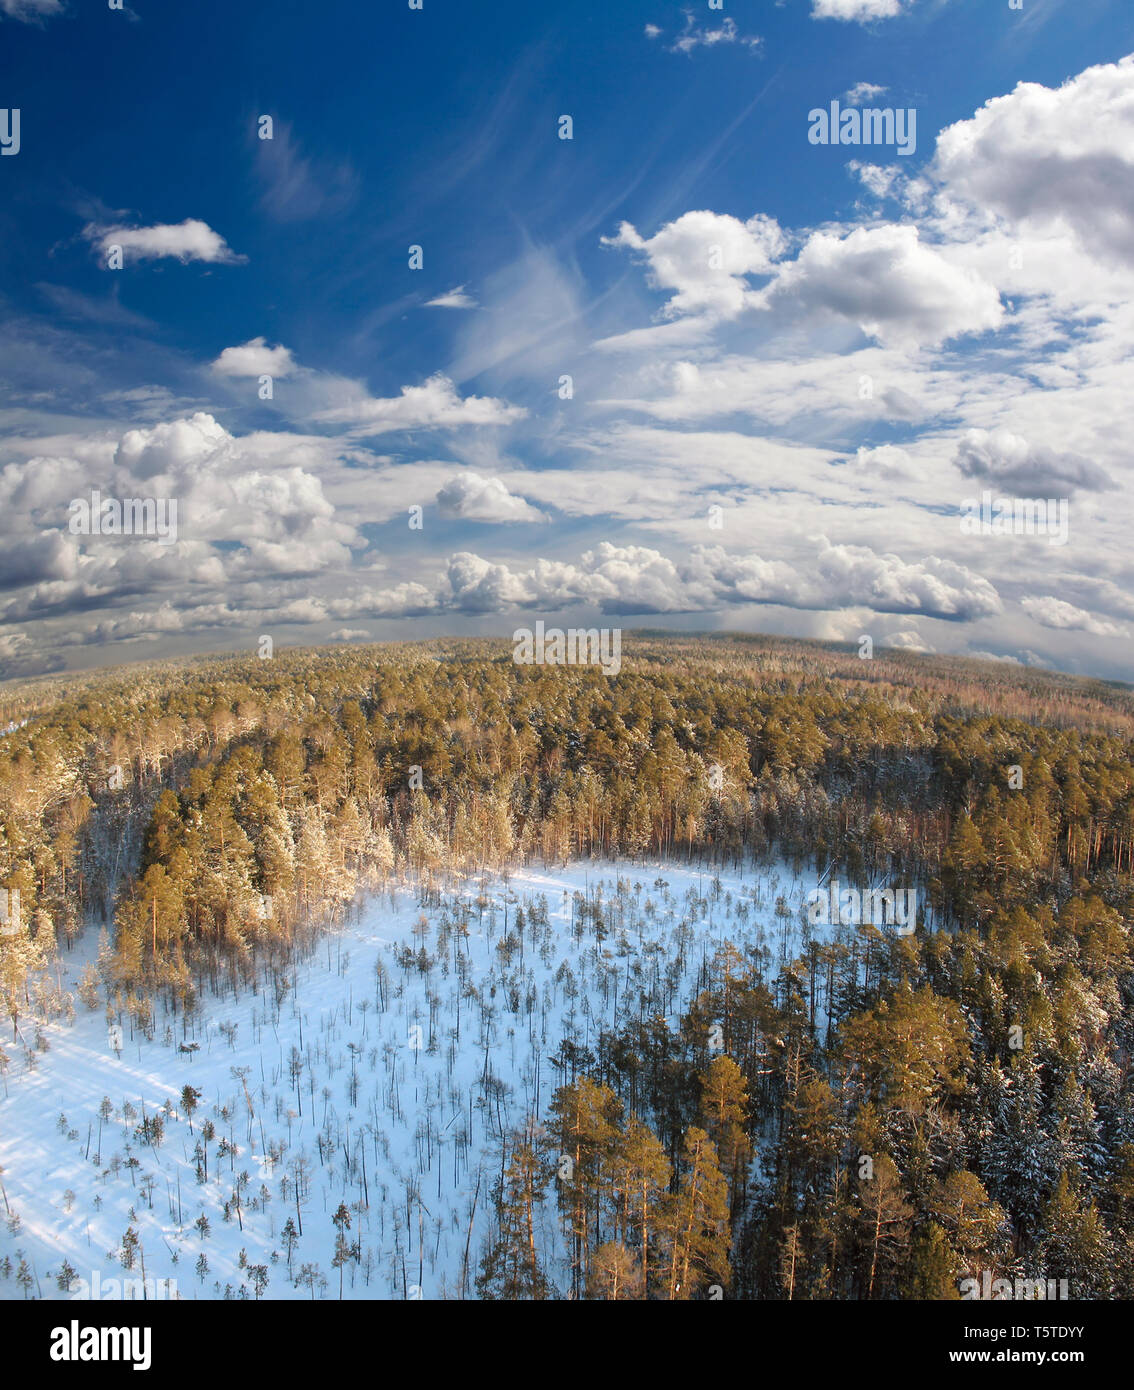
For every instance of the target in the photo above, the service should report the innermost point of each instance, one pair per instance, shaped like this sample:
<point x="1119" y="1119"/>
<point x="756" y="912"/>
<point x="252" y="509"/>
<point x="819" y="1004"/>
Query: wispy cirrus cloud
<point x="30" y="10"/>
<point x="452" y="299"/>
<point x="296" y="186"/>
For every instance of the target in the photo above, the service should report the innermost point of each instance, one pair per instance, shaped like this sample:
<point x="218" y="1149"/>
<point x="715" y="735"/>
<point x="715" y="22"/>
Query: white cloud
<point x="863" y="91"/>
<point x="878" y="179"/>
<point x="1005" y="460"/>
<point x="652" y="31"/>
<point x="297" y="187"/>
<point x="433" y="405"/>
<point x="452" y="299"/>
<point x="886" y="462"/>
<point x="255" y="358"/>
<point x="30" y="10"/>
<point x="471" y="497"/>
<point x="31" y="559"/>
<point x="1044" y="157"/>
<point x="171" y="447"/>
<point x="191" y="240"/>
<point x="894" y="286"/>
<point x="908" y="639"/>
<point x="705" y="256"/>
<point x="1056" y="613"/>
<point x="693" y="37"/>
<point x="934" y="587"/>
<point x="634" y="579"/>
<point x="861" y="10"/>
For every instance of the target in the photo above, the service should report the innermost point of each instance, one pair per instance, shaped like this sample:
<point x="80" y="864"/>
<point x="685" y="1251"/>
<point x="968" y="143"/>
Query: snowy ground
<point x="373" y="1077"/>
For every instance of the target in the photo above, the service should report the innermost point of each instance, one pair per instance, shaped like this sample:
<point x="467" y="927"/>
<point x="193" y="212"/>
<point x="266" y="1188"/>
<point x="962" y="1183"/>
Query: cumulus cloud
<point x="863" y="91"/>
<point x="1056" y="613"/>
<point x="255" y="358"/>
<point x="471" y="497"/>
<point x="259" y="497"/>
<point x="861" y="10"/>
<point x="433" y="405"/>
<point x="693" y="36"/>
<point x="48" y="555"/>
<point x="894" y="286"/>
<point x="1006" y="460"/>
<point x="908" y="639"/>
<point x="705" y="256"/>
<point x="635" y="579"/>
<point x="887" y="462"/>
<point x="715" y="576"/>
<point x="452" y="299"/>
<point x="1061" y="157"/>
<point x="191" y="240"/>
<point x="878" y="179"/>
<point x="933" y="587"/>
<point x="171" y="447"/>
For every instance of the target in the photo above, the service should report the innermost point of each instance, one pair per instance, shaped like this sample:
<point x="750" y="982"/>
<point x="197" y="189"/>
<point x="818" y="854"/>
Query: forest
<point x="866" y="1115"/>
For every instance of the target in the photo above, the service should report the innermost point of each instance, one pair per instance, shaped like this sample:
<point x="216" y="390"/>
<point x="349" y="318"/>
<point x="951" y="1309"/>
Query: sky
<point x="409" y="322"/>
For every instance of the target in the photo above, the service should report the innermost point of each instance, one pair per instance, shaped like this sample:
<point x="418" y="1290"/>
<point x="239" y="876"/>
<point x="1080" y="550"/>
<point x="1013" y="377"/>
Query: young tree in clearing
<point x="289" y="1236"/>
<point x="341" y="1221"/>
<point x="694" y="1223"/>
<point x="208" y="1132"/>
<point x="511" y="1269"/>
<point x="311" y="1276"/>
<point x="724" y="1101"/>
<point x="190" y="1098"/>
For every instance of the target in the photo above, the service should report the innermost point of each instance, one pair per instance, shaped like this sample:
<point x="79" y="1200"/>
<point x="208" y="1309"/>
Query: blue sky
<point x="791" y="363"/>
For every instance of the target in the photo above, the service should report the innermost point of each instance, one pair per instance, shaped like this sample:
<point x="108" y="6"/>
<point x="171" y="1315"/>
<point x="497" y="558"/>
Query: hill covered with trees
<point x="877" y="1117"/>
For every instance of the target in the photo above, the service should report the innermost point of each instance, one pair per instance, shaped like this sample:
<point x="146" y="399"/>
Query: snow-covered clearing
<point x="382" y="1074"/>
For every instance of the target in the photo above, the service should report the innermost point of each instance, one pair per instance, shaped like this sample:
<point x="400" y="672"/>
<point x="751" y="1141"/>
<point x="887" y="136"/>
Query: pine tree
<point x="694" y="1223"/>
<point x="511" y="1267"/>
<point x="884" y="1218"/>
<point x="584" y="1125"/>
<point x="724" y="1103"/>
<point x="615" y="1274"/>
<point x="640" y="1173"/>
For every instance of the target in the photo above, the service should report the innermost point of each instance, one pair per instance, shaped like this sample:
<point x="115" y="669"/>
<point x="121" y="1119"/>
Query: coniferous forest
<point x="713" y="1110"/>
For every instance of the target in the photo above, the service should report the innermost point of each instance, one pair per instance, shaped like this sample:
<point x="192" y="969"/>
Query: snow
<point x="426" y="1119"/>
